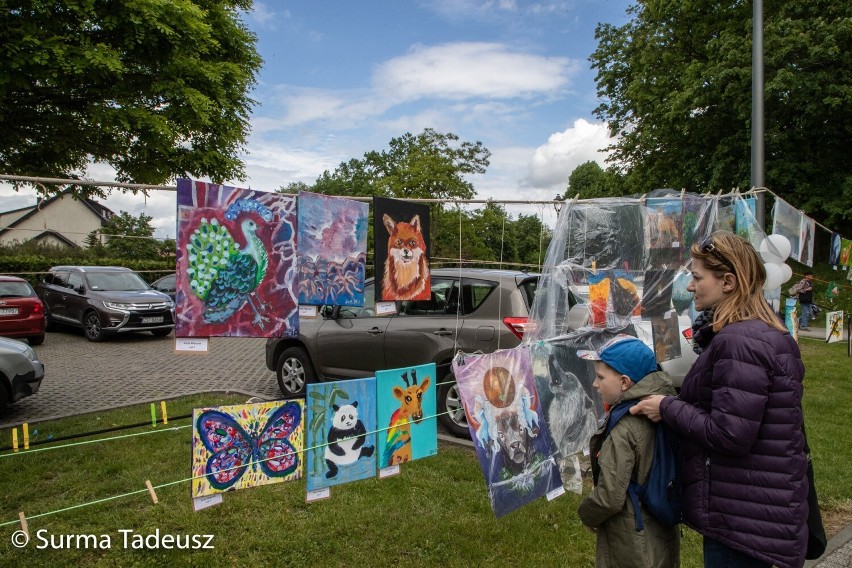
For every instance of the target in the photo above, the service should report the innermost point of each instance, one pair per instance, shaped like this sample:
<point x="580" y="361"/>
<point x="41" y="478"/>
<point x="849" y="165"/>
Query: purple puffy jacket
<point x="740" y="417"/>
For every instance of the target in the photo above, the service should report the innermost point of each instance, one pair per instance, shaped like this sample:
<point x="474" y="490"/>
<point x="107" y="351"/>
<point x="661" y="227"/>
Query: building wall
<point x="66" y="215"/>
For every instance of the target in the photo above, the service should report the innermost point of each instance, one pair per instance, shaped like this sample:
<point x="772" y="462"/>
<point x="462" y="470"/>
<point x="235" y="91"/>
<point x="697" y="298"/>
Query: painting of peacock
<point x="221" y="273"/>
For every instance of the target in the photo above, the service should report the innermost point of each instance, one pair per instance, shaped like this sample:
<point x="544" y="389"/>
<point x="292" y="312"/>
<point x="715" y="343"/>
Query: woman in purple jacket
<point x="739" y="415"/>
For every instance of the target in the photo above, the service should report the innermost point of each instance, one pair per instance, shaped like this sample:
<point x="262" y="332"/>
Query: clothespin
<point x="24" y="526"/>
<point x="642" y="199"/>
<point x="151" y="491"/>
<point x="682" y="192"/>
<point x="165" y="415"/>
<point x="26" y="429"/>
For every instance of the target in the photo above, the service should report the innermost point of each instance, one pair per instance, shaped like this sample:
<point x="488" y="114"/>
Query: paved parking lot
<point x="81" y="376"/>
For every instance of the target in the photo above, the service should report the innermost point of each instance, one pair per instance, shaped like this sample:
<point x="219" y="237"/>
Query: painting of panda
<point x="341" y="432"/>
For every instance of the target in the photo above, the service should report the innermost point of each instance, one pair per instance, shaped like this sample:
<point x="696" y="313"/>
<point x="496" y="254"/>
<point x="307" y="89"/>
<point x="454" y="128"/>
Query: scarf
<point x="702" y="330"/>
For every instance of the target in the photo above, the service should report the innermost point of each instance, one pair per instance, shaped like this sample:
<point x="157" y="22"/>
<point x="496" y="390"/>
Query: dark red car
<point x="22" y="313"/>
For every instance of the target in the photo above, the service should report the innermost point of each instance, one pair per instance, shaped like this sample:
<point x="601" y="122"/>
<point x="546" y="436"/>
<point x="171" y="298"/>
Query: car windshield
<point x="115" y="281"/>
<point x="15" y="290"/>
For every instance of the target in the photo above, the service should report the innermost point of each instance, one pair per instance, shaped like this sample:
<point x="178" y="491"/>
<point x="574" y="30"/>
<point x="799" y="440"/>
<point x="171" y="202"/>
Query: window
<point x="474" y="293"/>
<point x="75" y="281"/>
<point x="367" y="311"/>
<point x="57" y="278"/>
<point x="437" y="305"/>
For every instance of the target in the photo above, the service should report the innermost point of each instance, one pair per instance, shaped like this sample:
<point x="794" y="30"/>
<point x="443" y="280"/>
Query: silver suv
<point x="470" y="310"/>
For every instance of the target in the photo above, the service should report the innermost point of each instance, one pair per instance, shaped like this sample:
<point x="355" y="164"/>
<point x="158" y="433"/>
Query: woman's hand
<point x="649" y="406"/>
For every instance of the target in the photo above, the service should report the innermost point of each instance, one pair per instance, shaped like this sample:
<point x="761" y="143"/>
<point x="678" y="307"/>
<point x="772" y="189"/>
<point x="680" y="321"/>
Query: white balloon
<point x="786" y="273"/>
<point x="775" y="248"/>
<point x="773" y="276"/>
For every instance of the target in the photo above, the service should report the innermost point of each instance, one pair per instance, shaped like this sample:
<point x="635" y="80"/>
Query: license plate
<point x="10" y="312"/>
<point x="153" y="320"/>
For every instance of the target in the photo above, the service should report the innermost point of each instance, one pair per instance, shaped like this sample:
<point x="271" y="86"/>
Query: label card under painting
<point x="558" y="492"/>
<point x="309" y="312"/>
<point x="317" y="494"/>
<point x="199" y="503"/>
<point x="192" y="344"/>
<point x="389" y="471"/>
<point x="385" y="308"/>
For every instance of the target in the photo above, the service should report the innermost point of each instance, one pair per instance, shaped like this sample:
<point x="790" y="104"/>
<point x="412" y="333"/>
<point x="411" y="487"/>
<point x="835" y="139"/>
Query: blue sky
<point x="342" y="78"/>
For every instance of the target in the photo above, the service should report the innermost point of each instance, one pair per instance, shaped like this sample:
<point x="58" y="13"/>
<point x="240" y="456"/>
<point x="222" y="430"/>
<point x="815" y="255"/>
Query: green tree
<point x="676" y="88"/>
<point x="294" y="187"/>
<point x="590" y="180"/>
<point x="428" y="165"/>
<point x="154" y="89"/>
<point x="131" y="237"/>
<point x="94" y="245"/>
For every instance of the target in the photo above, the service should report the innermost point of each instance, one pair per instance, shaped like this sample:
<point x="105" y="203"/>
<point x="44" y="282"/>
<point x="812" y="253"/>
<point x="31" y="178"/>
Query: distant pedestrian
<point x="804" y="292"/>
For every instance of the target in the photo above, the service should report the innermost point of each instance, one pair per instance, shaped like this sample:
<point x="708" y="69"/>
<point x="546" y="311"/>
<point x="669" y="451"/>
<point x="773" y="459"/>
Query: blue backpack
<point x="661" y="492"/>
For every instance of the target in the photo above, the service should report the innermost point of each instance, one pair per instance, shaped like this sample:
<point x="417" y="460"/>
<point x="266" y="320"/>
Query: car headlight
<point x="30" y="354"/>
<point x="118" y="306"/>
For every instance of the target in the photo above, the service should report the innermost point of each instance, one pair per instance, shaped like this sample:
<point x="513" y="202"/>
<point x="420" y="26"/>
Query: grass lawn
<point x="435" y="513"/>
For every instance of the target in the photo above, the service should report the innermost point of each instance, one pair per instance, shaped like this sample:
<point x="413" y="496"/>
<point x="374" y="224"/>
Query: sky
<point x="343" y="78"/>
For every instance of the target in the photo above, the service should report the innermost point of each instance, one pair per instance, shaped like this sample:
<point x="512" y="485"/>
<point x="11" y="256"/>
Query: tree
<point x="155" y="89"/>
<point x="294" y="187"/>
<point x="429" y="165"/>
<point x="676" y="89"/>
<point x="589" y="180"/>
<point x="131" y="237"/>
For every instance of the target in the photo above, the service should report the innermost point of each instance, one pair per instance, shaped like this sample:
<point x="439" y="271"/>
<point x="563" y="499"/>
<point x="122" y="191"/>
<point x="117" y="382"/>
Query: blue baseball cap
<point x="626" y="354"/>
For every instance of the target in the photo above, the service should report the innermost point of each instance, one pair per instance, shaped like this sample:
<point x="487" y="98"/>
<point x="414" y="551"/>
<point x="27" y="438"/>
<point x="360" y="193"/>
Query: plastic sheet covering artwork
<point x="787" y="221"/>
<point x="341" y="436"/>
<point x="507" y="426"/>
<point x="236" y="262"/>
<point x="806" y="238"/>
<point x="332" y="250"/>
<point x="246" y="445"/>
<point x="569" y="402"/>
<point x="407" y="404"/>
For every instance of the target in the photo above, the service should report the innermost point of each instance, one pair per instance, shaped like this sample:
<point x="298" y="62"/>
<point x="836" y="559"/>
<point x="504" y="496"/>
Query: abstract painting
<point x="408" y="427"/>
<point x="504" y="413"/>
<point x="236" y="262"/>
<point x="332" y="250"/>
<point x="806" y="238"/>
<point x="246" y="445"/>
<point x="402" y="249"/>
<point x="833" y="327"/>
<point x="341" y="434"/>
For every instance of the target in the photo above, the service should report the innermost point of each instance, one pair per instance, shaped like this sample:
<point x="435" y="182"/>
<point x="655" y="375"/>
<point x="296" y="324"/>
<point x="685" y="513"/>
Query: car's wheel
<point x="450" y="409"/>
<point x="294" y="371"/>
<point x="161" y="332"/>
<point x="36" y="339"/>
<point x="92" y="327"/>
<point x="50" y="324"/>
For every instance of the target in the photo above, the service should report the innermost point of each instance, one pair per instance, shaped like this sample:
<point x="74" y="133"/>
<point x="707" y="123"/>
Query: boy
<point x="625" y="369"/>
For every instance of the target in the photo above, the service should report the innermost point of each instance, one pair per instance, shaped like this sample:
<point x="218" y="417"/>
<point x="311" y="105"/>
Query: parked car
<point x="104" y="301"/>
<point x="166" y="285"/>
<point x="347" y="342"/>
<point x="21" y="372"/>
<point x="22" y="313"/>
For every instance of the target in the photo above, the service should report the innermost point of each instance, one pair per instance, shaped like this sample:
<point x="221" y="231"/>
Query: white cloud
<point x="264" y="15"/>
<point x="468" y="69"/>
<point x="554" y="161"/>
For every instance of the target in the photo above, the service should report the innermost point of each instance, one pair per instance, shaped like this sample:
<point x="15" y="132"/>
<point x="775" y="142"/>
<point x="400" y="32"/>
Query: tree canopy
<point x="429" y="165"/>
<point x="676" y="87"/>
<point x="157" y="90"/>
<point x="589" y="180"/>
<point x="129" y="237"/>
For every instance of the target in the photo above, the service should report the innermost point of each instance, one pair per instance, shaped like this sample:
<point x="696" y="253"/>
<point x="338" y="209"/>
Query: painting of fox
<point x="406" y="275"/>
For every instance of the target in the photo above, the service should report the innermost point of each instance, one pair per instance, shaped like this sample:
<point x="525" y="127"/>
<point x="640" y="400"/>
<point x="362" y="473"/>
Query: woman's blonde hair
<point x="725" y="252"/>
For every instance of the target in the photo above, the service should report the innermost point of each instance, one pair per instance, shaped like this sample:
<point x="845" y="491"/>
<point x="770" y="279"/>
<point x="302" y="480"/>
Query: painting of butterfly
<point x="240" y="446"/>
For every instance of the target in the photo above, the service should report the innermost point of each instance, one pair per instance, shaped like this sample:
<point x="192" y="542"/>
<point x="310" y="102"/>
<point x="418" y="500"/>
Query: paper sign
<point x="192" y="344"/>
<point x="557" y="492"/>
<point x="317" y="494"/>
<point x="307" y="312"/>
<point x="199" y="503"/>
<point x="385" y="308"/>
<point x="388" y="471"/>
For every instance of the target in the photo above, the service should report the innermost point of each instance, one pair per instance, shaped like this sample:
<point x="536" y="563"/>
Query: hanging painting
<point x="407" y="422"/>
<point x="657" y="292"/>
<point x="613" y="298"/>
<point x="833" y="327"/>
<point x="747" y="227"/>
<point x="834" y="251"/>
<point x="697" y="220"/>
<point x="665" y="335"/>
<point x="845" y="252"/>
<point x="401" y="229"/>
<point x="569" y="402"/>
<point x="787" y="221"/>
<point x="246" y="445"/>
<point x="236" y="262"/>
<point x="663" y="230"/>
<point x="806" y="238"/>
<point x="506" y="424"/>
<point x="341" y="436"/>
<point x="791" y="317"/>
<point x="332" y="250"/>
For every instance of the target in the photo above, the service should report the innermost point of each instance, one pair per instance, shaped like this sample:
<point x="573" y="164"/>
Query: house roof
<point x="55" y="235"/>
<point x="101" y="211"/>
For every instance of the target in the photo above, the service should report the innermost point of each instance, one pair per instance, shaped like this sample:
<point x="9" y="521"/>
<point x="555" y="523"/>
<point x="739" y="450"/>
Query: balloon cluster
<point x="774" y="250"/>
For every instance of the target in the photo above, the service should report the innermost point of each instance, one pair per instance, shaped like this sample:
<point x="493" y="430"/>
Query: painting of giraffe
<point x="407" y="407"/>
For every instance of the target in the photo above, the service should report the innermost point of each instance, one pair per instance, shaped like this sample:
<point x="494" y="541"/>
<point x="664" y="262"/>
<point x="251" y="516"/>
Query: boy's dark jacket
<point x="627" y="452"/>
